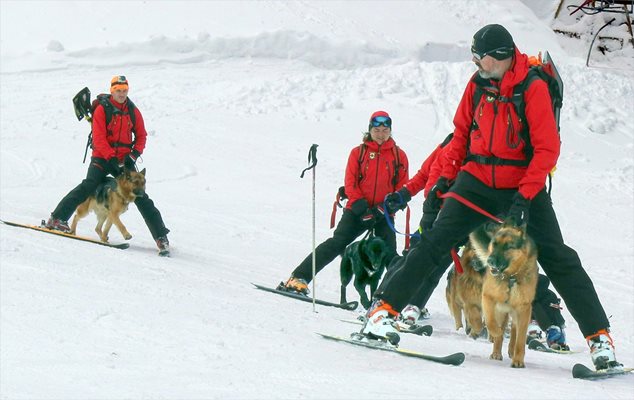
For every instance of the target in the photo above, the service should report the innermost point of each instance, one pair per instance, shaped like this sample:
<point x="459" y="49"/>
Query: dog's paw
<point x="518" y="364"/>
<point x="496" y="356"/>
<point x="474" y="335"/>
<point x="127" y="236"/>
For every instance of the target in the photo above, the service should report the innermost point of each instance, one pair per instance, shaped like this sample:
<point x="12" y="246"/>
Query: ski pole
<point x="312" y="160"/>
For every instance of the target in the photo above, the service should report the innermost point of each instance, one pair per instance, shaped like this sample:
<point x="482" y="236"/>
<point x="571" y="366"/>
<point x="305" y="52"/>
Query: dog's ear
<point x="143" y="172"/>
<point x="512" y="222"/>
<point x="491" y="228"/>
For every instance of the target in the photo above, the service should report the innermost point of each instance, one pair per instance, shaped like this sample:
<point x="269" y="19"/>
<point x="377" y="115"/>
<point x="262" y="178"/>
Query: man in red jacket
<point x="495" y="168"/>
<point x="116" y="143"/>
<point x="374" y="169"/>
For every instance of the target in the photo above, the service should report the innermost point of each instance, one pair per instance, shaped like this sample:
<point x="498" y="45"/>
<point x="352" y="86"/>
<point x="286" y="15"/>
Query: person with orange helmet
<point x="119" y="137"/>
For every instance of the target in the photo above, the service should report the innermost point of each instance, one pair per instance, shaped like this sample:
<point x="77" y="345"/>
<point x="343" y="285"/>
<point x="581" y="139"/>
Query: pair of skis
<point x="377" y="344"/>
<point x="579" y="371"/>
<point x="43" y="228"/>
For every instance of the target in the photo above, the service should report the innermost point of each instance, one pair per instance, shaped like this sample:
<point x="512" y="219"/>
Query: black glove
<point x="342" y="193"/>
<point x="113" y="167"/>
<point x="518" y="213"/>
<point x="359" y="207"/>
<point x="428" y="220"/>
<point x="368" y="219"/>
<point x="430" y="212"/>
<point x="396" y="201"/>
<point x="433" y="202"/>
<point x="129" y="161"/>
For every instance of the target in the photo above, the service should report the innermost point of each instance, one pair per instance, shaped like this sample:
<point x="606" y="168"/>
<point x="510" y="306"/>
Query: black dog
<point x="366" y="260"/>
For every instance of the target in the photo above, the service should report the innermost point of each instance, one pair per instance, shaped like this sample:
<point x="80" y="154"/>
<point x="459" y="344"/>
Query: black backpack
<point x="84" y="108"/>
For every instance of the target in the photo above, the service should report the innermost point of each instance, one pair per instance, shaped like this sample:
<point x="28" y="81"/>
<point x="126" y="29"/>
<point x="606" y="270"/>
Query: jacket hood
<point x="517" y="72"/>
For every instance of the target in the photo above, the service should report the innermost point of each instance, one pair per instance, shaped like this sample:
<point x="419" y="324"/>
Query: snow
<point x="233" y="95"/>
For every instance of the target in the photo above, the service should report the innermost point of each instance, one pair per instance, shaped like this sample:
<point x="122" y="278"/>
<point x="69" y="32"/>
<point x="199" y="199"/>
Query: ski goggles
<point x="381" y="121"/>
<point x="118" y="80"/>
<point x="502" y="50"/>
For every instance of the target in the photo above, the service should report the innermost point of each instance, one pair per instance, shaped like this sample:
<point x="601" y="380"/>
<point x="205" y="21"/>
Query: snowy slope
<point x="234" y="94"/>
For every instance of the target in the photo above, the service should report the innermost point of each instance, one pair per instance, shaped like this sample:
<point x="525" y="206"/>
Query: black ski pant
<point x="545" y="305"/>
<point x="95" y="176"/>
<point x="546" y="309"/>
<point x="348" y="229"/>
<point x="455" y="221"/>
<point x="424" y="291"/>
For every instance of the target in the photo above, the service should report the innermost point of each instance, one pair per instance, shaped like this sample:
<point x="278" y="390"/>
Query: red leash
<point x="407" y="235"/>
<point x="457" y="197"/>
<point x="333" y="215"/>
<point x="456" y="261"/>
<point x="472" y="206"/>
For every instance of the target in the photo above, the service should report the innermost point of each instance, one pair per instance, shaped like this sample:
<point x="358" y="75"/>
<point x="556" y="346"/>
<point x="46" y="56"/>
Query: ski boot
<point x="56" y="224"/>
<point x="381" y="323"/>
<point x="164" y="246"/>
<point x="556" y="338"/>
<point x="410" y="315"/>
<point x="602" y="350"/>
<point x="294" y="285"/>
<point x="534" y="331"/>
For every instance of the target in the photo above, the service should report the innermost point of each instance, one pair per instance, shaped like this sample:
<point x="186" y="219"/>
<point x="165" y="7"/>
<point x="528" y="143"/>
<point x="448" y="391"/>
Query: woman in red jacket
<point x="375" y="168"/>
<point x="118" y="139"/>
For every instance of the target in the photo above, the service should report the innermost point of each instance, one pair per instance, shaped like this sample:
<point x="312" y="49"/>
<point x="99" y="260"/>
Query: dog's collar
<point x="512" y="279"/>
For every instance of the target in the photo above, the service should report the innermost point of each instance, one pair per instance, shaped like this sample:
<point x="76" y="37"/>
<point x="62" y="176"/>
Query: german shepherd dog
<point x="365" y="260"/>
<point x="464" y="293"/>
<point x="509" y="284"/>
<point x="111" y="199"/>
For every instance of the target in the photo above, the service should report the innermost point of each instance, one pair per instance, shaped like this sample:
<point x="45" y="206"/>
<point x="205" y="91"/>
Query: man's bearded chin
<point x="489" y="74"/>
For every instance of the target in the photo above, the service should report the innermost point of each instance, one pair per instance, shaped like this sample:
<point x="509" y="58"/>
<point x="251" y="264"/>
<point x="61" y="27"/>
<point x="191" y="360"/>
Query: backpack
<point x="539" y="69"/>
<point x="341" y="193"/>
<point x="85" y="108"/>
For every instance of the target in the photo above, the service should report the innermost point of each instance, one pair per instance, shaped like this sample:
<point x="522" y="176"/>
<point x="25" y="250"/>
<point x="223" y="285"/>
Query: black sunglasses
<point x="480" y="56"/>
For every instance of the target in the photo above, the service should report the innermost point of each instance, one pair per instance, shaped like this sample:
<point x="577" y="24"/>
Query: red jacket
<point x="372" y="178"/>
<point x="118" y="131"/>
<point x="496" y="130"/>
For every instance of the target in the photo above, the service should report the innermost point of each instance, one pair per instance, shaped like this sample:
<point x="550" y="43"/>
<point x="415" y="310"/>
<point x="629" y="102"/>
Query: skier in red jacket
<point x="115" y="144"/>
<point x="547" y="320"/>
<point x="375" y="168"/>
<point x="494" y="167"/>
